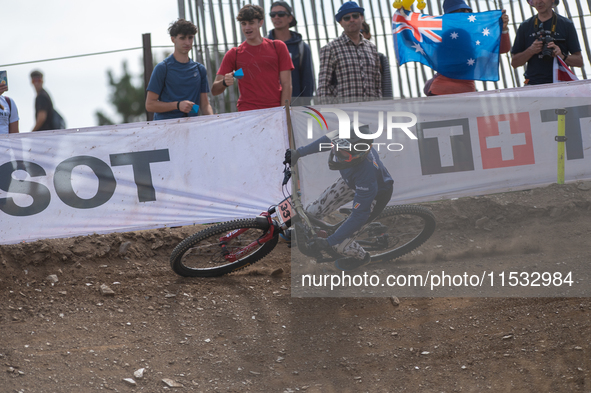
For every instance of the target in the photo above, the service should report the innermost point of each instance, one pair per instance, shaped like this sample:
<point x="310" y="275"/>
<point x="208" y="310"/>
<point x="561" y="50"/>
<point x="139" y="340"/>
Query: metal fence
<point x="219" y="31"/>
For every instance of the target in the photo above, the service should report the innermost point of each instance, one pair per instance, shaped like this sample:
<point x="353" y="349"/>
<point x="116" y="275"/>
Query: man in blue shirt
<point x="364" y="179"/>
<point x="178" y="82"/>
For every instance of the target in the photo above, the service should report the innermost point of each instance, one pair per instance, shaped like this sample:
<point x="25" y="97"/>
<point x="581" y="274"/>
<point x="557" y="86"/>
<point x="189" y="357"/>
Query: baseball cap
<point x="288" y="9"/>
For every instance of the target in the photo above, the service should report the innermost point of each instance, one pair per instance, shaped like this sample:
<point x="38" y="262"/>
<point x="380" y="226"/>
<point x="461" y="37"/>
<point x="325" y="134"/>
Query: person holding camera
<point x="543" y="37"/>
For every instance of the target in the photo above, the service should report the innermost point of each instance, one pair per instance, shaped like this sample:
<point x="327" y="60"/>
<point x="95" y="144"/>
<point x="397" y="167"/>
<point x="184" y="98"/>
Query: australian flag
<point x="458" y="45"/>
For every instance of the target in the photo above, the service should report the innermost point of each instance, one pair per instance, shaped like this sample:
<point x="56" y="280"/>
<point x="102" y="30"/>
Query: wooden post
<point x="148" y="68"/>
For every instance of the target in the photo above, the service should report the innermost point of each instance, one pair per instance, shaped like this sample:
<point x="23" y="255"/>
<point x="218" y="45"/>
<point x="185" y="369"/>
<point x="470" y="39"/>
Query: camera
<point x="546" y="36"/>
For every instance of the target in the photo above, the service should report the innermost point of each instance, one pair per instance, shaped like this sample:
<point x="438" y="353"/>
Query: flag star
<point x="454" y="35"/>
<point x="478" y="42"/>
<point x="472" y="18"/>
<point x="486" y="32"/>
<point x="471" y="62"/>
<point x="418" y="48"/>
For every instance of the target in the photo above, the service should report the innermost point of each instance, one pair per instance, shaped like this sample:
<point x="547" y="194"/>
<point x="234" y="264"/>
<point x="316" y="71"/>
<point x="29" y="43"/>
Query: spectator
<point x="302" y="76"/>
<point x="441" y="85"/>
<point x="384" y="65"/>
<point x="527" y="48"/>
<point x="266" y="65"/>
<point x="8" y="113"/>
<point x="43" y="105"/>
<point x="177" y="83"/>
<point x="349" y="65"/>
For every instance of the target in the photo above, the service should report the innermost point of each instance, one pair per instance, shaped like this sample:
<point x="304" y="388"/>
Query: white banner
<point x="466" y="144"/>
<point x="217" y="168"/>
<point x="140" y="175"/>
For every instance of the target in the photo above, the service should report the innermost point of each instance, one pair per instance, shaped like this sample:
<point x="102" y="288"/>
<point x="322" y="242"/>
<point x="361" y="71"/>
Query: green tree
<point x="127" y="97"/>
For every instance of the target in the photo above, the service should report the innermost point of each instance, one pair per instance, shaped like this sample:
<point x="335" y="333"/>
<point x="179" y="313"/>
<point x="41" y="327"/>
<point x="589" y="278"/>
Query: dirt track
<point x="245" y="332"/>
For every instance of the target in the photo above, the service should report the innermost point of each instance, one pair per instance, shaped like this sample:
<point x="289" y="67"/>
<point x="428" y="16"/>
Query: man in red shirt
<point x="266" y="65"/>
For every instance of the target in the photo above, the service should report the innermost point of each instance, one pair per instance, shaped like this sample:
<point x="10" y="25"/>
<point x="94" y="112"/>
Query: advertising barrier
<point x="216" y="168"/>
<point x="459" y="145"/>
<point x="140" y="176"/>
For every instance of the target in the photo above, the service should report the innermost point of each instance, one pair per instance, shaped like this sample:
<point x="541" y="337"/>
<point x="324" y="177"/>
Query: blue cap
<point x="347" y="8"/>
<point x="454" y="5"/>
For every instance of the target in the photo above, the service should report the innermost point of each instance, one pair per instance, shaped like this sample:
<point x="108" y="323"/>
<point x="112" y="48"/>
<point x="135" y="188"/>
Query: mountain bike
<point x="233" y="245"/>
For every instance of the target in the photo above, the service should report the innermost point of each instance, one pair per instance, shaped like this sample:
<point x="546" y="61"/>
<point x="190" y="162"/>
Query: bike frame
<point x="232" y="257"/>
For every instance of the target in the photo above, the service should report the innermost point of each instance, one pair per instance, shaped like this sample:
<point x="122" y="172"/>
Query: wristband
<point x="178" y="105"/>
<point x="565" y="56"/>
<point x="505" y="31"/>
<point x="224" y="82"/>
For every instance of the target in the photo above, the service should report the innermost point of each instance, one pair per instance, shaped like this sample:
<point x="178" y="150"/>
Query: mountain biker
<point x="364" y="180"/>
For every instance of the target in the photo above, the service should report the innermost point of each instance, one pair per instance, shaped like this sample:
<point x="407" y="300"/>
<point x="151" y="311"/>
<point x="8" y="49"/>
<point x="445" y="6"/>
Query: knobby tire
<point x="213" y="263"/>
<point x="397" y="218"/>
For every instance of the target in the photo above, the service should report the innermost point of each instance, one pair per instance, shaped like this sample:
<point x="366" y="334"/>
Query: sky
<point x="38" y="30"/>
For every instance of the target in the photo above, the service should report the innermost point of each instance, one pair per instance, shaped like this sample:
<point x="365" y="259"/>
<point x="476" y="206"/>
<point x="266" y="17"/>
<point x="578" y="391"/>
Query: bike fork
<point x="232" y="257"/>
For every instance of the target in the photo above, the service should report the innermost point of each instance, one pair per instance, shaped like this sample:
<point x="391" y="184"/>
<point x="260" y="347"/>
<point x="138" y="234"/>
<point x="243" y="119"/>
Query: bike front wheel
<point x="397" y="231"/>
<point x="223" y="248"/>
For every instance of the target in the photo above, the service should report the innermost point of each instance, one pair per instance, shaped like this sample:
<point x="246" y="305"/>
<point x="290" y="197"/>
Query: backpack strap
<point x="164" y="83"/>
<point x="9" y="105"/>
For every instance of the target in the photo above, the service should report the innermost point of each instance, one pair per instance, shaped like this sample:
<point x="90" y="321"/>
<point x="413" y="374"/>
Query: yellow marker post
<point x="561" y="139"/>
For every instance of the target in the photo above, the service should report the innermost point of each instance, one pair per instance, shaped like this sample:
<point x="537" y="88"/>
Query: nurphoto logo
<point x="393" y="121"/>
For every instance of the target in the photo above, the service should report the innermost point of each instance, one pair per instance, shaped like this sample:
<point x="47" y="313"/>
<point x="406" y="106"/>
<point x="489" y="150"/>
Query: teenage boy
<point x="178" y="82"/>
<point x="266" y="65"/>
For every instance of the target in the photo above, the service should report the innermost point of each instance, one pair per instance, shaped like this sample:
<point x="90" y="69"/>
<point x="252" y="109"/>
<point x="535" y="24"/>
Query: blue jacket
<point x="367" y="179"/>
<point x="302" y="76"/>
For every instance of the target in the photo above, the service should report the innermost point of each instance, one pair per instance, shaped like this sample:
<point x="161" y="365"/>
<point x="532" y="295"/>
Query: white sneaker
<point x="350" y="248"/>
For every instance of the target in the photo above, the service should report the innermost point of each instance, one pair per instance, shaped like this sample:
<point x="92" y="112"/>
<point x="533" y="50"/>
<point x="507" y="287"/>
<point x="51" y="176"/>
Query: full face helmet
<point x="349" y="152"/>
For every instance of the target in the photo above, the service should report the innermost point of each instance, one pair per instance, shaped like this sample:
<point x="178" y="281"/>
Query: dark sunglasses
<point x="354" y="15"/>
<point x="280" y="14"/>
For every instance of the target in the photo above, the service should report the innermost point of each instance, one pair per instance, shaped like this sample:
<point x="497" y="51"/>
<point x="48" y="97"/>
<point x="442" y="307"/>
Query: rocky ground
<point x="63" y="331"/>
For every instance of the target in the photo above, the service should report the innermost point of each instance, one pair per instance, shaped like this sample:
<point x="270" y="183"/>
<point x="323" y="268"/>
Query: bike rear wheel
<point x="397" y="231"/>
<point x="204" y="255"/>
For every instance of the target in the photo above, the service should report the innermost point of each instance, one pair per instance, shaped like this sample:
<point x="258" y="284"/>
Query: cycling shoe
<point x="347" y="264"/>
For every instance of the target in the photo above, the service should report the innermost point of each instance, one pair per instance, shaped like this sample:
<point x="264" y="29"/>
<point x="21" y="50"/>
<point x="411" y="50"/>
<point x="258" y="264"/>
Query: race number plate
<point x="284" y="210"/>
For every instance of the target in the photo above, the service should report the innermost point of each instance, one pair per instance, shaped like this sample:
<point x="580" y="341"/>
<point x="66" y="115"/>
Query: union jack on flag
<point x="456" y="45"/>
<point x="420" y="25"/>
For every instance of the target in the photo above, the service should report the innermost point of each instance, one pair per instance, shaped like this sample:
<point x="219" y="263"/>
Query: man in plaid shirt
<point x="349" y="65"/>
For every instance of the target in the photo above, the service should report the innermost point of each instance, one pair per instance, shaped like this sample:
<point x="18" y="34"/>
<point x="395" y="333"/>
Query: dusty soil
<point x="245" y="332"/>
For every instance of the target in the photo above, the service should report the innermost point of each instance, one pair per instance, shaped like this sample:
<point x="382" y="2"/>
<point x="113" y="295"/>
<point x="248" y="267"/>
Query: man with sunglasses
<point x="349" y="65"/>
<point x="302" y="75"/>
